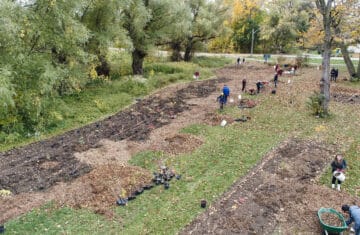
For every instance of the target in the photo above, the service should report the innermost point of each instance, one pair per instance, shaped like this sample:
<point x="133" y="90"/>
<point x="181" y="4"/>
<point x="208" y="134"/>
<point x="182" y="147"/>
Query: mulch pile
<point x="214" y="119"/>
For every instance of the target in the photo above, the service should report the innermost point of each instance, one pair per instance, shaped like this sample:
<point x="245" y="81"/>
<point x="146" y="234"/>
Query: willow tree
<point x="325" y="7"/>
<point x="285" y="23"/>
<point x="41" y="56"/>
<point x="180" y="31"/>
<point x="146" y="22"/>
<point x="207" y="22"/>
<point x="102" y="18"/>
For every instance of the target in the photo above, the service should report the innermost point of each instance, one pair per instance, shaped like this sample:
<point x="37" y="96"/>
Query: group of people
<point x="239" y="61"/>
<point x="338" y="167"/>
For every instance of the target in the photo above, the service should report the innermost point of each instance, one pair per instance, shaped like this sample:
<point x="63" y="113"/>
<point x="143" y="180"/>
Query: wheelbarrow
<point x="328" y="229"/>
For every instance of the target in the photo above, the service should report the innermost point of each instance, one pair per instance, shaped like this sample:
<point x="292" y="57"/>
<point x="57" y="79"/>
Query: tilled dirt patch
<point x="346" y="98"/>
<point x="345" y="95"/>
<point x="215" y="119"/>
<point x="279" y="194"/>
<point x="178" y="144"/>
<point x="22" y="169"/>
<point x="97" y="191"/>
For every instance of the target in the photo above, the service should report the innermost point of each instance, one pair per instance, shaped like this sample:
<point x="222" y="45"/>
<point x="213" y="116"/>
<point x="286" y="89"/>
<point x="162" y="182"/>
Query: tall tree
<point x="325" y="8"/>
<point x="41" y="54"/>
<point x="207" y="22"/>
<point x="345" y="17"/>
<point x="285" y="23"/>
<point x="179" y="31"/>
<point x="102" y="18"/>
<point x="245" y="24"/>
<point x="146" y="22"/>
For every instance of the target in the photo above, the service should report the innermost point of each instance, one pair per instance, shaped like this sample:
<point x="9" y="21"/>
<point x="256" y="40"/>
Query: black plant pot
<point x="2" y="229"/>
<point x="166" y="185"/>
<point x="121" y="201"/>
<point x="132" y="197"/>
<point x="149" y="186"/>
<point x="203" y="203"/>
<point x="139" y="191"/>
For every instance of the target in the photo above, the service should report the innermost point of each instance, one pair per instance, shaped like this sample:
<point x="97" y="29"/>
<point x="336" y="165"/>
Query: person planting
<point x="222" y="100"/>
<point x="354" y="216"/>
<point x="337" y="166"/>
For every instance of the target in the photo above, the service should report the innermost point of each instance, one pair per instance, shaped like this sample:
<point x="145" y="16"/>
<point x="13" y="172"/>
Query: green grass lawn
<point x="227" y="153"/>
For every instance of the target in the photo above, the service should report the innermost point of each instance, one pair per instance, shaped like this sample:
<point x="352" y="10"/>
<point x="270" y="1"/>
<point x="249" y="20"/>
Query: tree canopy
<point x="51" y="48"/>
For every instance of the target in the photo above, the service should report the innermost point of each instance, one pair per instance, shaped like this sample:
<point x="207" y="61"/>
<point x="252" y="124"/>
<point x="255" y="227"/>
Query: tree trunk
<point x="176" y="51"/>
<point x="137" y="61"/>
<point x="325" y="8"/>
<point x="349" y="64"/>
<point x="188" y="50"/>
<point x="325" y="81"/>
<point x="103" y="68"/>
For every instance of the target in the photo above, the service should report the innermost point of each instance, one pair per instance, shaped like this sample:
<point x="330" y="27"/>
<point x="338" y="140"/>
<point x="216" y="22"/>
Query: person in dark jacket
<point x="243" y="85"/>
<point x="354" y="216"/>
<point x="259" y="85"/>
<point x="276" y="79"/>
<point x="336" y="74"/>
<point x="222" y="100"/>
<point x="238" y="61"/>
<point x="332" y="74"/>
<point x="226" y="91"/>
<point x="339" y="164"/>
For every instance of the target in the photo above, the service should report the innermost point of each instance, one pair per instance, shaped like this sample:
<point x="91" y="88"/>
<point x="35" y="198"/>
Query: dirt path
<point x="67" y="168"/>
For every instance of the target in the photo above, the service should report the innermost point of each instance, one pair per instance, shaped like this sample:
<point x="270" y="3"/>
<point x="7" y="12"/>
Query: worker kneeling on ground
<point x="354" y="213"/>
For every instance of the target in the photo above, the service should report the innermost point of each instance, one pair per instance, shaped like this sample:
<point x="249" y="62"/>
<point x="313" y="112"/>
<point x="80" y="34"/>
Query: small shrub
<point x="132" y="87"/>
<point x="101" y="105"/>
<point x="162" y="68"/>
<point x="158" y="82"/>
<point x="315" y="104"/>
<point x="12" y="138"/>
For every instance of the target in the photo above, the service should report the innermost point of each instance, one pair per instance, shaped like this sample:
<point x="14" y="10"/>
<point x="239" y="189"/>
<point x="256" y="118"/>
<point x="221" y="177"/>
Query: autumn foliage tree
<point x="246" y="19"/>
<point x="285" y="23"/>
<point x="345" y="21"/>
<point x="206" y="22"/>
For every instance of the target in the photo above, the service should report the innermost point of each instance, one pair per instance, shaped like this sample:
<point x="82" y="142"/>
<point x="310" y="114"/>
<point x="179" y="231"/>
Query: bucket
<point x="223" y="123"/>
<point x="339" y="175"/>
